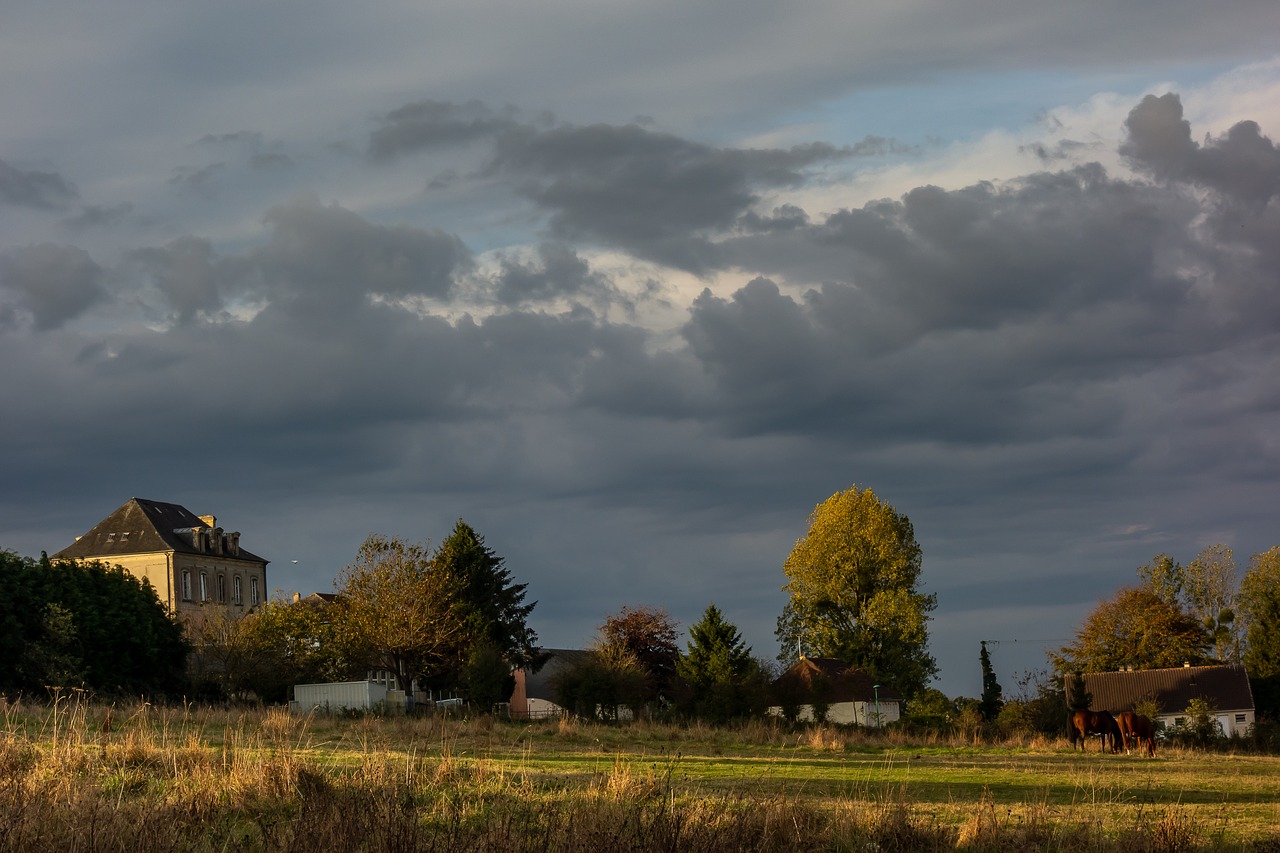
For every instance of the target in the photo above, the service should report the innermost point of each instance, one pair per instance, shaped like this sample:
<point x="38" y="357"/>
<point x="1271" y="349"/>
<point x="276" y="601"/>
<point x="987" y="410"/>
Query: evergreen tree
<point x="492" y="608"/>
<point x="992" y="698"/>
<point x="716" y="668"/>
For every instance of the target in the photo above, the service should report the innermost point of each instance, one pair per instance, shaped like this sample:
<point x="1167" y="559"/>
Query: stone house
<point x="187" y="558"/>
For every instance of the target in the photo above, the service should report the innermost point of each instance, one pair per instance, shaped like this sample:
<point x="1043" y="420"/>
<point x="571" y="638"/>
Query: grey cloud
<point x="247" y="146"/>
<point x="988" y="314"/>
<point x="201" y="181"/>
<point x="50" y="284"/>
<point x="1243" y="164"/>
<point x="320" y="264"/>
<point x="40" y="190"/>
<point x="328" y="253"/>
<point x="185" y="272"/>
<point x="655" y="194"/>
<point x="561" y="272"/>
<point x="787" y="217"/>
<point x="249" y="138"/>
<point x="270" y="161"/>
<point x="100" y="216"/>
<point x="430" y="124"/>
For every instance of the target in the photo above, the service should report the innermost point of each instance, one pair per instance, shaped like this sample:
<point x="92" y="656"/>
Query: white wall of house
<point x="848" y="713"/>
<point x="1232" y="723"/>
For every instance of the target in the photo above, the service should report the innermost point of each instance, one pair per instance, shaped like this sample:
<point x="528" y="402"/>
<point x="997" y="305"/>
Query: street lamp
<point x="876" y="688"/>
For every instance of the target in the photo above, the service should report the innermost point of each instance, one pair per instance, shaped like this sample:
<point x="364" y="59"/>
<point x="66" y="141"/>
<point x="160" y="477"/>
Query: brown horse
<point x="1134" y="726"/>
<point x="1085" y="723"/>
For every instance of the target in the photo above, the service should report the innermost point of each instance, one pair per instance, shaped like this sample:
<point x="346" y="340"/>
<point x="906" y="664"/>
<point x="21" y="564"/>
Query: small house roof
<point x="1226" y="687"/>
<point x="142" y="526"/>
<point x="848" y="683"/>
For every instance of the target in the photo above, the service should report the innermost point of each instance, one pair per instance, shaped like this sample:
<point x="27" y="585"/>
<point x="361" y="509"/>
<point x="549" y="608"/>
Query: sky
<point x="632" y="287"/>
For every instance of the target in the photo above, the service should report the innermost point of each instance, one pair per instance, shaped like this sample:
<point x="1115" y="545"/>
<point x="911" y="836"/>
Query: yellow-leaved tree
<point x="853" y="584"/>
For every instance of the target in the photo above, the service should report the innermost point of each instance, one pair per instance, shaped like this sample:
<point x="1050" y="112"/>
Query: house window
<point x="204" y="587"/>
<point x="253" y="590"/>
<point x="186" y="585"/>
<point x="222" y="589"/>
<point x="235" y="590"/>
<point x="1239" y="718"/>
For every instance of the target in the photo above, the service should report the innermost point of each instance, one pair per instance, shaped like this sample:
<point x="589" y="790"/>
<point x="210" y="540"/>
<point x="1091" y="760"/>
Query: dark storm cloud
<point x="324" y="257"/>
<point x="1001" y="314"/>
<point x="655" y="194"/>
<point x="1243" y="164"/>
<point x="325" y="252"/>
<point x="49" y="284"/>
<point x="40" y="190"/>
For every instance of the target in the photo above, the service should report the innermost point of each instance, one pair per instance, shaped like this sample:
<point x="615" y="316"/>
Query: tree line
<point x="452" y="618"/>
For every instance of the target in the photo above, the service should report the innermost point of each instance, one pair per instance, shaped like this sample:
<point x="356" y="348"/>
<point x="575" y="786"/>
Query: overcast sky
<point x="632" y="287"/>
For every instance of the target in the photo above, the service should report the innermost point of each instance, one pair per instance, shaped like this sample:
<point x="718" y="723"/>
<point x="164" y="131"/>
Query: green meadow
<point x="75" y="776"/>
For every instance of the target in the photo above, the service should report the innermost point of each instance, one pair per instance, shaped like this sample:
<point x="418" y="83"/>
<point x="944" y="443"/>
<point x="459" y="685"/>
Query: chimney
<point x="211" y="520"/>
<point x="297" y="596"/>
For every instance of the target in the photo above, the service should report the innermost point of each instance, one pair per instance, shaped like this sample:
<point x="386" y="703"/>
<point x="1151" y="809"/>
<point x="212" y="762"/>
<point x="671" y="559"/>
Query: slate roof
<point x="1227" y="687"/>
<point x="142" y="526"/>
<point x="849" y="684"/>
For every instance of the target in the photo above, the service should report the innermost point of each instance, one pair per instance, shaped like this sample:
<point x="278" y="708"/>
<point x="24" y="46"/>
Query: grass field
<point x="79" y="777"/>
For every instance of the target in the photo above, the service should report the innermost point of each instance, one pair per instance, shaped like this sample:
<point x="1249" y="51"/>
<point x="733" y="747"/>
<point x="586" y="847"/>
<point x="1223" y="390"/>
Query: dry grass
<point x="76" y="777"/>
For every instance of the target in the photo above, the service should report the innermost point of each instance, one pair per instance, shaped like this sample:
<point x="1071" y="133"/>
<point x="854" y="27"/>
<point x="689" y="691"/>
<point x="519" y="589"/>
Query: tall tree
<point x="647" y="634"/>
<point x="992" y="697"/>
<point x="492" y="608"/>
<point x="394" y="608"/>
<point x="717" y="668"/>
<point x="853" y="585"/>
<point x="1135" y="628"/>
<point x="1259" y="601"/>
<point x="1209" y="591"/>
<point x="1163" y="578"/>
<point x="1260" y="609"/>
